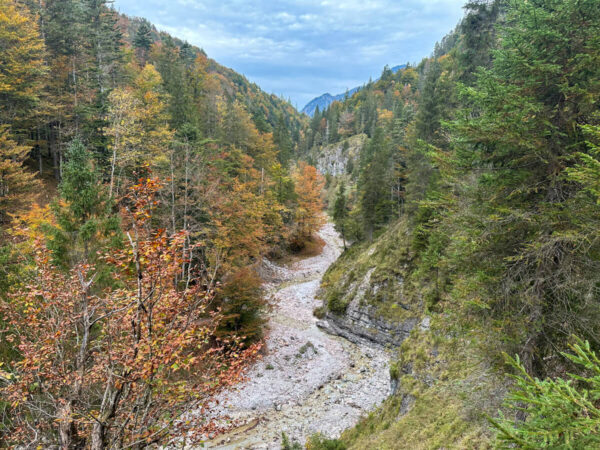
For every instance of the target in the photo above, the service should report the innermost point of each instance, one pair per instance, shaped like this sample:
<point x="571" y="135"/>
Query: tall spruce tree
<point x="283" y="141"/>
<point x="143" y="40"/>
<point x="83" y="211"/>
<point x="521" y="131"/>
<point x="340" y="211"/>
<point x="374" y="186"/>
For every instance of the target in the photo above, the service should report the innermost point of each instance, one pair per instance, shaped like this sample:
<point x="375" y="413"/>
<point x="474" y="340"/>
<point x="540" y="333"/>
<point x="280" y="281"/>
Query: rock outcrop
<point x="362" y="324"/>
<point x="334" y="159"/>
<point x="365" y="296"/>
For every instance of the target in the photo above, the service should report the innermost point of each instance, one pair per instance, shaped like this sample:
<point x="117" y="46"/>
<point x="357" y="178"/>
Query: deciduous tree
<point x="309" y="191"/>
<point x="116" y="367"/>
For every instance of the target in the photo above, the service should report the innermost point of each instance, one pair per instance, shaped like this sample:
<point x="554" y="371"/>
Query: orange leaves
<point x="309" y="189"/>
<point x="143" y="344"/>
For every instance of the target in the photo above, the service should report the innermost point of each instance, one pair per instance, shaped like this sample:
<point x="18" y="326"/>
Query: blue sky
<point x="304" y="48"/>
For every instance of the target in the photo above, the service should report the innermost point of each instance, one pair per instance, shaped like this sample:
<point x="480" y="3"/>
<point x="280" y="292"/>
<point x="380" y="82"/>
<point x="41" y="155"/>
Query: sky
<point x="304" y="48"/>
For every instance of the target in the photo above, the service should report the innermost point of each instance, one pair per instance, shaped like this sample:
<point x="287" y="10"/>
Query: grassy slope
<point x="447" y="383"/>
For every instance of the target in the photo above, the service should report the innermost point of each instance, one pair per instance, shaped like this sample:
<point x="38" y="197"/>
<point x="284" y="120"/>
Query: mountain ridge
<point x="324" y="100"/>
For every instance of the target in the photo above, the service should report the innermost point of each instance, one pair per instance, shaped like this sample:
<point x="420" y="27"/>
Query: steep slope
<point x="323" y="101"/>
<point x="262" y="105"/>
<point x="443" y="385"/>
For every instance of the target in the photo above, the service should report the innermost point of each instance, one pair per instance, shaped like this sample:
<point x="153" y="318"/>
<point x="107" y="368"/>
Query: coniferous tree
<point x="83" y="211"/>
<point x="283" y="141"/>
<point x="143" y="40"/>
<point x="340" y="211"/>
<point x="172" y="67"/>
<point x="373" y="184"/>
<point x="560" y="413"/>
<point x="522" y="129"/>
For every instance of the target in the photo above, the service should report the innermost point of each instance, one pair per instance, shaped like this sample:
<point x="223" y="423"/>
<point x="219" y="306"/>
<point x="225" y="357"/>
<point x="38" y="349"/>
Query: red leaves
<point x="107" y="355"/>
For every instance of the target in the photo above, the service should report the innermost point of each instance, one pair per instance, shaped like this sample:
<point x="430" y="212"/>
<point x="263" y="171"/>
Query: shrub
<point x="287" y="445"/>
<point x="560" y="413"/>
<point x="335" y="302"/>
<point x="319" y="312"/>
<point x="320" y="442"/>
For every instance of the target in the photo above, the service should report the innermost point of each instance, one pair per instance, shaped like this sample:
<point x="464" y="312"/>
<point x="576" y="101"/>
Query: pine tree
<point x="83" y="211"/>
<point x="143" y="40"/>
<point x="172" y="67"/>
<point x="283" y="141"/>
<point x="340" y="211"/>
<point x="560" y="413"/>
<point x="428" y="125"/>
<point x="104" y="45"/>
<point x="374" y="184"/>
<point x="522" y="129"/>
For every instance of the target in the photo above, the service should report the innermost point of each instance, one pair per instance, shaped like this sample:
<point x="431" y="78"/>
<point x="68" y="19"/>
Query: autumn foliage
<point x="118" y="367"/>
<point x="309" y="213"/>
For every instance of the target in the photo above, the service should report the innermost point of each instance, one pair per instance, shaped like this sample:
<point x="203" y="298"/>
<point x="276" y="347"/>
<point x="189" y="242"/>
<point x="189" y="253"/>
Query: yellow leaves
<point x="5" y="375"/>
<point x="21" y="51"/>
<point x="384" y="115"/>
<point x="309" y="188"/>
<point x="138" y="124"/>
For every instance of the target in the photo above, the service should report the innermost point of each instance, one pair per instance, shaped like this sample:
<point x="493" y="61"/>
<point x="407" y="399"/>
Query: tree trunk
<point x="67" y="431"/>
<point x="97" y="436"/>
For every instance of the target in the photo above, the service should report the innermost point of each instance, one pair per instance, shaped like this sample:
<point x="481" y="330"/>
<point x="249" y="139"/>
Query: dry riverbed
<point x="308" y="381"/>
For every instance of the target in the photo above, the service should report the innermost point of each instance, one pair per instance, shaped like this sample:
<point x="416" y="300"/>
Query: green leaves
<point x="560" y="413"/>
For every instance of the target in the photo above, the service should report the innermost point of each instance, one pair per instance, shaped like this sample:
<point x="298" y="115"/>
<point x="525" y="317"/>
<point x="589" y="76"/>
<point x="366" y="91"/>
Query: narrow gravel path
<point x="308" y="381"/>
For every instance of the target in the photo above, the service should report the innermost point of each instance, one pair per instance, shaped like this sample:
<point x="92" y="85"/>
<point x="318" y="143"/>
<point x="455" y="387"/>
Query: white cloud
<point x="305" y="48"/>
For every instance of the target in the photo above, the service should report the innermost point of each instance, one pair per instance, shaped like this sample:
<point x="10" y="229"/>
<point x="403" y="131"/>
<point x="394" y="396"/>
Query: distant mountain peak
<point x="324" y="100"/>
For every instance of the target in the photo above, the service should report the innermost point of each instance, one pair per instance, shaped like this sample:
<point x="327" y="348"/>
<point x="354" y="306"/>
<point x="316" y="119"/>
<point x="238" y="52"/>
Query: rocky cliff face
<point x="365" y="295"/>
<point x="442" y="386"/>
<point x="360" y="325"/>
<point x="336" y="159"/>
<point x="362" y="321"/>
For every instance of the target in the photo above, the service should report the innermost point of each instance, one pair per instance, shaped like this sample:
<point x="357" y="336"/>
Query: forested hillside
<point x="472" y="210"/>
<point x="141" y="184"/>
<point x="151" y="201"/>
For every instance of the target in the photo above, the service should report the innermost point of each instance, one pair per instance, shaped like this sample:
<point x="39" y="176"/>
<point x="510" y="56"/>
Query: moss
<point x="309" y="345"/>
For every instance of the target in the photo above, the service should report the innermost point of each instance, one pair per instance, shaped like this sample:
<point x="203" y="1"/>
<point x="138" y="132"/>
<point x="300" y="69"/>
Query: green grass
<point x="447" y="373"/>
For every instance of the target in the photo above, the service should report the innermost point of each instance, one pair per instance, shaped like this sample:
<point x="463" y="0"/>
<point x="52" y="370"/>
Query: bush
<point x="560" y="413"/>
<point x="320" y="442"/>
<point x="287" y="445"/>
<point x="335" y="302"/>
<point x="319" y="312"/>
<point x="242" y="304"/>
<point x="395" y="371"/>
